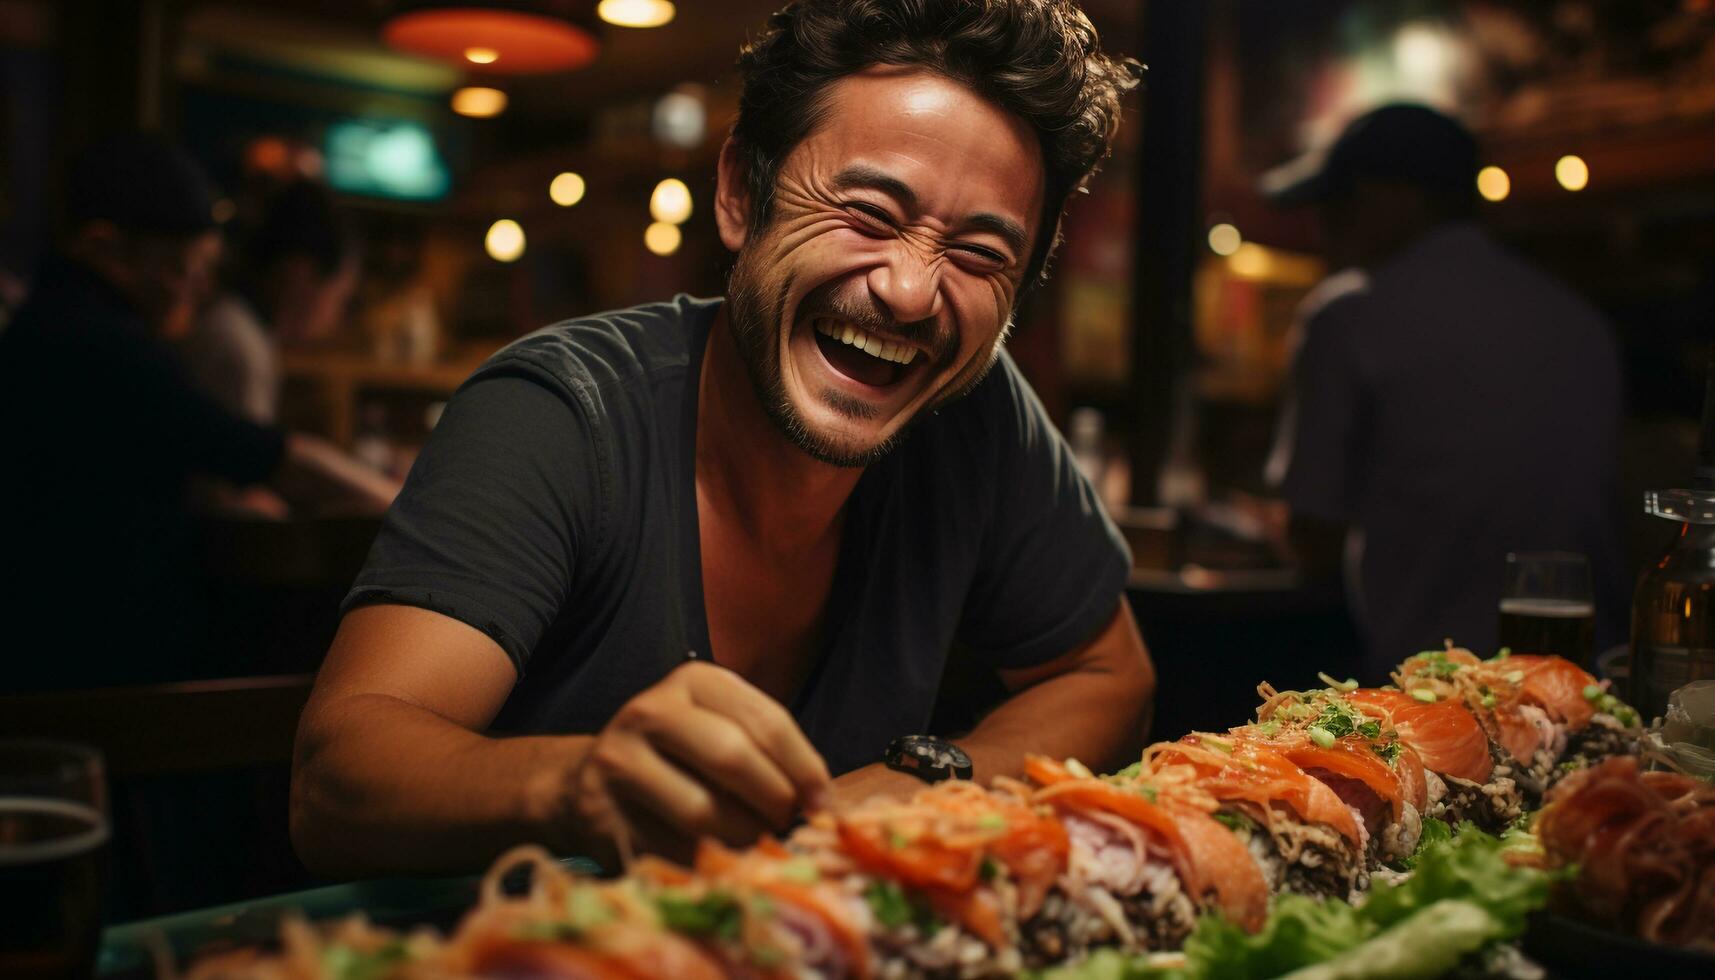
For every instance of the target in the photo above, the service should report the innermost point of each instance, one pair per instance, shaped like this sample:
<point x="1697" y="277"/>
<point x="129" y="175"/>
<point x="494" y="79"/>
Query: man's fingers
<point x="769" y="725"/>
<point x="640" y="778"/>
<point x="721" y="752"/>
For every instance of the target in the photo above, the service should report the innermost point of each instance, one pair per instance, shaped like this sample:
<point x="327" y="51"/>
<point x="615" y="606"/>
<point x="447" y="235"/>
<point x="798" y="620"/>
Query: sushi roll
<point x="1303" y="837"/>
<point x="1544" y="716"/>
<point x="568" y="927"/>
<point x="1354" y="753"/>
<point x="948" y="876"/>
<point x="765" y="912"/>
<point x="1462" y="778"/>
<point x="1148" y="854"/>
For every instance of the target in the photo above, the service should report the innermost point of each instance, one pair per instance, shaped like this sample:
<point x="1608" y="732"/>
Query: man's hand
<point x="701" y="753"/>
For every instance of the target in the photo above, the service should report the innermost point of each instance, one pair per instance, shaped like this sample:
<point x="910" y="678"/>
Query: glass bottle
<point x="1673" y="610"/>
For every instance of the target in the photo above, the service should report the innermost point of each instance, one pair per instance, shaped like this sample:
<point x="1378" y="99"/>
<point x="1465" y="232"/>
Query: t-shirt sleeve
<point x="1052" y="565"/>
<point x="497" y="507"/>
<point x="1331" y="411"/>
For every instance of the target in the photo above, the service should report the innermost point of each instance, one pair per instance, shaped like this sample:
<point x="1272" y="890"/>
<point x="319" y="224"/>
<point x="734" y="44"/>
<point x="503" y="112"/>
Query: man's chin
<point x="835" y="444"/>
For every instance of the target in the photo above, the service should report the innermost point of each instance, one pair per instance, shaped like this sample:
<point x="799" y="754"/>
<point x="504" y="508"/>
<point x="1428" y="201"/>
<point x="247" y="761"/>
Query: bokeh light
<point x="671" y="201"/>
<point x="1494" y="184"/>
<point x="662" y="238"/>
<point x="566" y="189"/>
<point x="1572" y="172"/>
<point x="635" y="13"/>
<point x="504" y="241"/>
<point x="478" y="102"/>
<point x="1224" y="239"/>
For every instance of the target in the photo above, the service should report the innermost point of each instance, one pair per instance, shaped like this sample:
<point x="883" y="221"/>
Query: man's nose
<point x="909" y="285"/>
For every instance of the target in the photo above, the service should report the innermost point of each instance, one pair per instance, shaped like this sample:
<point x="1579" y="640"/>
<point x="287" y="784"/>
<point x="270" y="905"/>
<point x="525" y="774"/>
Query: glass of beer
<point x="53" y="842"/>
<point x="1546" y="606"/>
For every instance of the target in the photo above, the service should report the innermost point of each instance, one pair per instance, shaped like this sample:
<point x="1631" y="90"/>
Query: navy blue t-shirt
<point x="554" y="508"/>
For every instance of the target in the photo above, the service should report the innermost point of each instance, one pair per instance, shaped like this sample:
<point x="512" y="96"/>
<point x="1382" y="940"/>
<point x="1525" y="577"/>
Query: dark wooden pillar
<point x="1169" y="223"/>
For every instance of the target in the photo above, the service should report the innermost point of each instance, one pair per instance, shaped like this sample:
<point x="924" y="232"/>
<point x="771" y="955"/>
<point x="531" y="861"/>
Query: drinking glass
<point x="53" y="836"/>
<point x="1546" y="606"/>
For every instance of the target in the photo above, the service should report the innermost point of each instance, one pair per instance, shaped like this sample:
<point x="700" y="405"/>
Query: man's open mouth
<point x="863" y="356"/>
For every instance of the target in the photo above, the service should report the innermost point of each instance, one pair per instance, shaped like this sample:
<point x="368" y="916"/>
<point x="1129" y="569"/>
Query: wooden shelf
<point x="341" y="377"/>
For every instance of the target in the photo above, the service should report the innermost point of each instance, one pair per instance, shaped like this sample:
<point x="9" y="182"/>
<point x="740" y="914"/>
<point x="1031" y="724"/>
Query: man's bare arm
<point x="393" y="774"/>
<point x="1092" y="703"/>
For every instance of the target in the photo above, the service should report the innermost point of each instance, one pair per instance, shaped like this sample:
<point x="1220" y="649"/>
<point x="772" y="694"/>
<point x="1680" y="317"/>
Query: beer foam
<point x="1551" y="608"/>
<point x="92" y="835"/>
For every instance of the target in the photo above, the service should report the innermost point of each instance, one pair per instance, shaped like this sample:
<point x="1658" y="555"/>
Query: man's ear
<point x="732" y="197"/>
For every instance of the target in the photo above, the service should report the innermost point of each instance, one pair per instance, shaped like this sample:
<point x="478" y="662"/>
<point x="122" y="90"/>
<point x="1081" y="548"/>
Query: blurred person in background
<point x="1448" y="403"/>
<point x="290" y="284"/>
<point x="102" y="429"/>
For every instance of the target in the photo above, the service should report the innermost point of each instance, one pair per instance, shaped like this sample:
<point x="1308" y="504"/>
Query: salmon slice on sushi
<point x="1355" y="753"/>
<point x="1457" y="755"/>
<point x="1305" y="839"/>
<point x="1147" y="857"/>
<point x="949" y="876"/>
<point x="1543" y="715"/>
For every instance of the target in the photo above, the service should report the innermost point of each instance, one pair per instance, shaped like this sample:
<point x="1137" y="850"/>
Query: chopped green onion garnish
<point x="1322" y="737"/>
<point x="1592" y="692"/>
<point x="1423" y="694"/>
<point x="1514" y="676"/>
<point x="801" y="870"/>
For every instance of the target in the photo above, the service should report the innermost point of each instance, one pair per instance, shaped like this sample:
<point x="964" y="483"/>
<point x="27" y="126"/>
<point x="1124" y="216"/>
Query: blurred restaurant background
<point x="566" y="168"/>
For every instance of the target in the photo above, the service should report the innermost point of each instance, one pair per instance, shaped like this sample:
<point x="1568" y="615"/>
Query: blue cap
<point x="140" y="182"/>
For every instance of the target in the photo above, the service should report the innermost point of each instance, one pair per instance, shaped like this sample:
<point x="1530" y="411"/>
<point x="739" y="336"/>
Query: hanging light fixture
<point x="501" y="37"/>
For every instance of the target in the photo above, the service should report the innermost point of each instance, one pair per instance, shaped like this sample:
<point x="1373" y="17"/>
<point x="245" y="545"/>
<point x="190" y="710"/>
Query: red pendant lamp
<point x="497" y="37"/>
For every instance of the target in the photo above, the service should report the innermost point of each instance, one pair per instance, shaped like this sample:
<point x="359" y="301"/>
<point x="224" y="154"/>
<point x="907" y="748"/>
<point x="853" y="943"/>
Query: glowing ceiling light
<point x="478" y="102"/>
<point x="635" y="13"/>
<point x="662" y="238"/>
<point x="671" y="201"/>
<point x="521" y="42"/>
<point x="566" y="189"/>
<point x="1494" y="184"/>
<point x="1224" y="239"/>
<point x="1572" y="172"/>
<point x="504" y="241"/>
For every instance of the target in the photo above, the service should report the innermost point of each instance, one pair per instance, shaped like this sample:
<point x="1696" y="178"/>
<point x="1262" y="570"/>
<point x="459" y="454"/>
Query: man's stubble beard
<point x="752" y="313"/>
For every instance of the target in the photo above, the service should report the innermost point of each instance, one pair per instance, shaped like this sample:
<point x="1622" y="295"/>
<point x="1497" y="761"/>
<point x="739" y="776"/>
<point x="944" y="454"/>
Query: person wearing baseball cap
<point x="1448" y="403"/>
<point x="103" y="431"/>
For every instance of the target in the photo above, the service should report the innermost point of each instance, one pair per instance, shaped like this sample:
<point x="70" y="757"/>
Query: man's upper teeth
<point x="869" y="343"/>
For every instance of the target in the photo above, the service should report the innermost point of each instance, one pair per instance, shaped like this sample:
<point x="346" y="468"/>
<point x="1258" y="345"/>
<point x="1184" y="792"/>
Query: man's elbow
<point x="314" y="815"/>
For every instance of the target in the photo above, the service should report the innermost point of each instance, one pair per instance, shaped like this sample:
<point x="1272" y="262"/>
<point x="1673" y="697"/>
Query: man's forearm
<point x="382" y="785"/>
<point x="1094" y="707"/>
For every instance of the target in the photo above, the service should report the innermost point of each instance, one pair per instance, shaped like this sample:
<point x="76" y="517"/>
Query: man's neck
<point x="786" y="500"/>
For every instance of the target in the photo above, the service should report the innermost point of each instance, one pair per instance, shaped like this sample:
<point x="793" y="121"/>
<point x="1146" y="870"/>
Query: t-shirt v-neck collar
<point x="700" y="646"/>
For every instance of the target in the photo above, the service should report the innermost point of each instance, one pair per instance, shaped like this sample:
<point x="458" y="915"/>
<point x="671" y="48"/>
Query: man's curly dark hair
<point x="1038" y="59"/>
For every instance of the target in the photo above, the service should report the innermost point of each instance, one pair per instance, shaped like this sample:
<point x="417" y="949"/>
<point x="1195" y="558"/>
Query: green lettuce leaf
<point x="1428" y="943"/>
<point x="1471" y="868"/>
